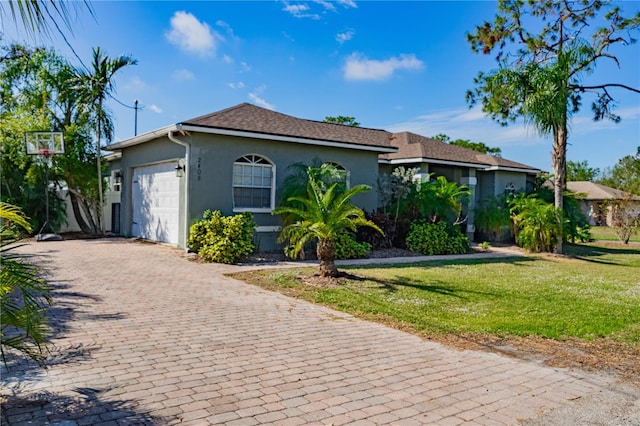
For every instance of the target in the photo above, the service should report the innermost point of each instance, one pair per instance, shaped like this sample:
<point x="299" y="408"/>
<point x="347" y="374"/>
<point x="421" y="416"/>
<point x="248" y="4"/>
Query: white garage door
<point x="156" y="200"/>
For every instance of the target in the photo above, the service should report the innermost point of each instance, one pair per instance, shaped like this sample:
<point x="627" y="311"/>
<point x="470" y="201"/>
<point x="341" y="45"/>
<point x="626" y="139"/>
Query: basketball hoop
<point x="45" y="145"/>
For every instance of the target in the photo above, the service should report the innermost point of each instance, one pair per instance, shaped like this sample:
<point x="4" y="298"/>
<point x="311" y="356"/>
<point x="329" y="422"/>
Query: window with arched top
<point x="253" y="184"/>
<point x="342" y="175"/>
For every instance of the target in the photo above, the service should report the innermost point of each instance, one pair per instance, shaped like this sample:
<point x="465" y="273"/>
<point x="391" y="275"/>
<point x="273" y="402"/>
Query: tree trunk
<point x="559" y="161"/>
<point x="327" y="254"/>
<point x="99" y="164"/>
<point x="77" y="213"/>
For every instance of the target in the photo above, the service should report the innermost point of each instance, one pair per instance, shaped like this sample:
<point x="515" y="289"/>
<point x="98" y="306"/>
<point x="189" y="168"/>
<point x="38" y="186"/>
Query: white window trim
<point x="272" y="199"/>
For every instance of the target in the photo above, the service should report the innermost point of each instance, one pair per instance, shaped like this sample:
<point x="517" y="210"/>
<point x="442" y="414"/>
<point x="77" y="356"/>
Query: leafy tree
<point x="625" y="217"/>
<point x="541" y="70"/>
<point x="466" y="143"/>
<point x="324" y="215"/>
<point x="625" y="175"/>
<point x="23" y="295"/>
<point x="581" y="171"/>
<point x="94" y="88"/>
<point x="37" y="93"/>
<point x="347" y="121"/>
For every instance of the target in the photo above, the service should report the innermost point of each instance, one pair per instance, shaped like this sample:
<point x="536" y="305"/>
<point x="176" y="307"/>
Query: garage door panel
<point x="156" y="200"/>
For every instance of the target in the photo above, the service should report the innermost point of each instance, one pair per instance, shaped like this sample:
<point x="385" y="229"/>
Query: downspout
<point x="187" y="157"/>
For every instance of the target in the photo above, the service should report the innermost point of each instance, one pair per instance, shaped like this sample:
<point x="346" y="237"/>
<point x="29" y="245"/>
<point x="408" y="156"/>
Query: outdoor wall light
<point x="118" y="177"/>
<point x="180" y="170"/>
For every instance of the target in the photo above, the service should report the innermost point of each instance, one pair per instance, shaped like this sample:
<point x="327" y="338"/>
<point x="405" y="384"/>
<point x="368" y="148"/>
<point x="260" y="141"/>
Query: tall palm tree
<point x="322" y="215"/>
<point x="98" y="85"/>
<point x="23" y="295"/>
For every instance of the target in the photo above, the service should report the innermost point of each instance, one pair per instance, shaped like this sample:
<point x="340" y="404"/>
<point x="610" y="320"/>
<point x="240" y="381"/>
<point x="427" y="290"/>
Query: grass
<point x="607" y="233"/>
<point x="592" y="294"/>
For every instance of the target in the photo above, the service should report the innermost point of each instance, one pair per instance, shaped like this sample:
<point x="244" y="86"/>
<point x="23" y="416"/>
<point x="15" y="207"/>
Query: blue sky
<point x="391" y="65"/>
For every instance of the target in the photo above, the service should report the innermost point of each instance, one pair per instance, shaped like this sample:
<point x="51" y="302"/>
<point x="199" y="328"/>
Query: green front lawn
<point x="591" y="295"/>
<point x="607" y="233"/>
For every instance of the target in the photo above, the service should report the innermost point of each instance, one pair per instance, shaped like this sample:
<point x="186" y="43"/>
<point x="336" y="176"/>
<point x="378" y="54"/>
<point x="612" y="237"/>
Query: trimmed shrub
<point x="222" y="239"/>
<point x="436" y="238"/>
<point x="348" y="248"/>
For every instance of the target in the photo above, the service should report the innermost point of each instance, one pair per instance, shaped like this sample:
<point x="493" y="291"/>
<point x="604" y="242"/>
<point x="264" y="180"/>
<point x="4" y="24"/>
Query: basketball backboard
<point x="44" y="143"/>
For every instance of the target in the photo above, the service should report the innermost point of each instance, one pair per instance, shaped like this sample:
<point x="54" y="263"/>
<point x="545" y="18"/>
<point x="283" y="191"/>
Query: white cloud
<point x="348" y="3"/>
<point x="238" y="85"/>
<point x="183" y="75"/>
<point x="299" y="11"/>
<point x="191" y="35"/>
<point x="135" y="84"/>
<point x="244" y="67"/>
<point x="228" y="29"/>
<point x="155" y="108"/>
<point x="325" y="4"/>
<point x="227" y="59"/>
<point x="358" y="67"/>
<point x="255" y="96"/>
<point x="345" y="36"/>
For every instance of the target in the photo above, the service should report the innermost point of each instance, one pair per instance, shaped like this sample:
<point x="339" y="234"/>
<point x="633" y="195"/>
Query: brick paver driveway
<point x="144" y="336"/>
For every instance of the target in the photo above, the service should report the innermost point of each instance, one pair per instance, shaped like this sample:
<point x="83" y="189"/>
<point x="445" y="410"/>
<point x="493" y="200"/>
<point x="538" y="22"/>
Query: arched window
<point x="253" y="178"/>
<point x="343" y="174"/>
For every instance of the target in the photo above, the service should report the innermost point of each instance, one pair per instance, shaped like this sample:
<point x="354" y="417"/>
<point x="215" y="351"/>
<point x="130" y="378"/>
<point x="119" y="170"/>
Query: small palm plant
<point x="321" y="216"/>
<point x="23" y="295"/>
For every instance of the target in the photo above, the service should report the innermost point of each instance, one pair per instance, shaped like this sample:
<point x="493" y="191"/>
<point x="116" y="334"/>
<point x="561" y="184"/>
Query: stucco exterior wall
<point x="495" y="182"/>
<point x="211" y="168"/>
<point x="210" y="174"/>
<point x="158" y="151"/>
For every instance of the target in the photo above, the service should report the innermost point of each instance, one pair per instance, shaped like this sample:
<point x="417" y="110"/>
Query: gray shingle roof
<point x="250" y="118"/>
<point x="412" y="146"/>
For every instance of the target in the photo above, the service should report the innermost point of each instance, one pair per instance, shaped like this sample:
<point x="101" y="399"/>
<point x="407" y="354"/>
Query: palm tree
<point x="440" y="199"/>
<point x="97" y="86"/>
<point x="23" y="295"/>
<point x="38" y="16"/>
<point x="322" y="215"/>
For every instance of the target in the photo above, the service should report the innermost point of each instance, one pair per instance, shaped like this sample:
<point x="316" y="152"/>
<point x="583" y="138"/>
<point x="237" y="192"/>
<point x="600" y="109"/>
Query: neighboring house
<point x="235" y="160"/>
<point x="485" y="175"/>
<point x="598" y="202"/>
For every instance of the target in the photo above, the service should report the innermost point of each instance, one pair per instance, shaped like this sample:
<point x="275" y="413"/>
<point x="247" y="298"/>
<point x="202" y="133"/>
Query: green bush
<point x="436" y="238"/>
<point x="537" y="222"/>
<point x="222" y="239"/>
<point x="348" y="248"/>
<point x="493" y="220"/>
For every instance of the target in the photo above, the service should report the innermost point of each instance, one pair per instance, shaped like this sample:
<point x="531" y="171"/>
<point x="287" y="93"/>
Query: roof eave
<point x="431" y="161"/>
<point x="511" y="169"/>
<point x="145" y="137"/>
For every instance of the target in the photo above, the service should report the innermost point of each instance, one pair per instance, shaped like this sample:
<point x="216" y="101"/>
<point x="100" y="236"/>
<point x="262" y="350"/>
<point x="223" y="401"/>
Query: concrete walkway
<point x="144" y="336"/>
